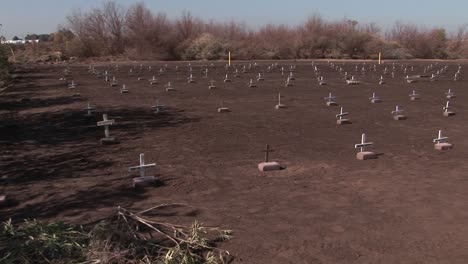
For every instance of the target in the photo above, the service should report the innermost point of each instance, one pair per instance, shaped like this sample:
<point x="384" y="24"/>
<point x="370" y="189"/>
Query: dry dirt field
<point x="410" y="205"/>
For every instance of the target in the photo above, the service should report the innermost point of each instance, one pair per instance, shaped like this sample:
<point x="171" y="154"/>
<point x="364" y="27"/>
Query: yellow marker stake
<point x="380" y="57"/>
<point x="229" y="58"/>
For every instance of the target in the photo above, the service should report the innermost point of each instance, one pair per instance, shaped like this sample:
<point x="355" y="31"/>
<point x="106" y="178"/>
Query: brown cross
<point x="267" y="151"/>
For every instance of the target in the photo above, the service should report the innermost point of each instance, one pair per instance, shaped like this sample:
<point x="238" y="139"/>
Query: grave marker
<point x="89" y="110"/>
<point x="212" y="85"/>
<point x="157" y="107"/>
<point x="268" y="165"/>
<point x="169" y="87"/>
<point x="330" y="100"/>
<point x="362" y="154"/>
<point x="398" y="113"/>
<point x="106" y="123"/>
<point x="124" y="89"/>
<point x="446" y="109"/>
<point x="440" y="142"/>
<point x="450" y="94"/>
<point x="280" y="105"/>
<point x="341" y="120"/>
<point x="223" y="109"/>
<point x="414" y="96"/>
<point x="143" y="180"/>
<point x="375" y="99"/>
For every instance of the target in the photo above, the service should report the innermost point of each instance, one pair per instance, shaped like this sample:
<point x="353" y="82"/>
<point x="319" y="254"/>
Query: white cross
<point x="341" y="114"/>
<point x="374" y="97"/>
<point x="414" y="94"/>
<point x="142" y="166"/>
<point x="89" y="109"/>
<point x="157" y="107"/>
<point x="106" y="123"/>
<point x="330" y="97"/>
<point x="363" y="143"/>
<point x="439" y="138"/>
<point x="397" y="111"/>
<point x="450" y="93"/>
<point x="279" y="98"/>
<point x="447" y="106"/>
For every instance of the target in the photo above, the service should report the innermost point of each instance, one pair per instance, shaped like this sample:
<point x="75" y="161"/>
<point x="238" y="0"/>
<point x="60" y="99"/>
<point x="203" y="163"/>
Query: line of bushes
<point x="137" y="32"/>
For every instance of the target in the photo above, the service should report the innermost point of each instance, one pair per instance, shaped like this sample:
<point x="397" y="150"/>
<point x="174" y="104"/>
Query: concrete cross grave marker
<point x="362" y="154"/>
<point x="398" y="113"/>
<point x="414" y="96"/>
<point x="341" y="120"/>
<point x="251" y="84"/>
<point x="447" y="111"/>
<point x="212" y="85"/>
<point x="450" y="94"/>
<point x="322" y="81"/>
<point x="89" y="110"/>
<point x="158" y="108"/>
<point x="143" y="180"/>
<point x="288" y="82"/>
<point x="375" y="99"/>
<point x="352" y="81"/>
<point x="190" y="79"/>
<point x="280" y="105"/>
<point x="124" y="89"/>
<point x="106" y="123"/>
<point x="72" y="85"/>
<point x="260" y="77"/>
<point x="268" y="165"/>
<point x="154" y="81"/>
<point x="226" y="79"/>
<point x="236" y="73"/>
<point x="169" y="87"/>
<point x="440" y="142"/>
<point x="381" y="81"/>
<point x="223" y="109"/>
<point x="291" y="76"/>
<point x="113" y="82"/>
<point x="330" y="100"/>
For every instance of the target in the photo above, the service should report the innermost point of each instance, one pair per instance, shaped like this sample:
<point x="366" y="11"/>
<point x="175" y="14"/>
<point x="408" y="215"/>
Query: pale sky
<point x="20" y="17"/>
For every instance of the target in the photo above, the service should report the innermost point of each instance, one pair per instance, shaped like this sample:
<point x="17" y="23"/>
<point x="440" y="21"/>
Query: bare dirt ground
<point x="408" y="206"/>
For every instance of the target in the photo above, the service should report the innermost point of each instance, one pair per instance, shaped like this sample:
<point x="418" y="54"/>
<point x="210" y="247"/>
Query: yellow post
<point x="229" y="58"/>
<point x="380" y="58"/>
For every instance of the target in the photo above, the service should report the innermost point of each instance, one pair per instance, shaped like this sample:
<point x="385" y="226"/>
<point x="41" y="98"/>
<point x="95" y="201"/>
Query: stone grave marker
<point x="169" y="87"/>
<point x="441" y="142"/>
<point x="447" y="110"/>
<point x="450" y="94"/>
<point x="251" y="84"/>
<point x="330" y="100"/>
<point x="414" y="96"/>
<point x="157" y="107"/>
<point x="106" y="123"/>
<point x="143" y="180"/>
<point x="154" y="81"/>
<point x="375" y="99"/>
<point x="89" y="110"/>
<point x="341" y="120"/>
<point x="397" y="114"/>
<point x="212" y="85"/>
<point x="362" y="154"/>
<point x="268" y="165"/>
<point x="222" y="108"/>
<point x="280" y="105"/>
<point x="226" y="78"/>
<point x="124" y="89"/>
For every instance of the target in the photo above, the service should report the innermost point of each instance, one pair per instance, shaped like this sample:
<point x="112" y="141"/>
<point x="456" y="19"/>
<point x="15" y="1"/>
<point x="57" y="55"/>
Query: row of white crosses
<point x="440" y="144"/>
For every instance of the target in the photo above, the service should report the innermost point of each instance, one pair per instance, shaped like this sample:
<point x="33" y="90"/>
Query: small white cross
<point x="363" y="143"/>
<point x="106" y="123"/>
<point x="142" y="166"/>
